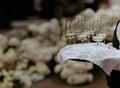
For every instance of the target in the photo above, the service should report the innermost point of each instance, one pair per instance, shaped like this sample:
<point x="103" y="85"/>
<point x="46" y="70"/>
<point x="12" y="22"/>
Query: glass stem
<point x="74" y="39"/>
<point x="97" y="49"/>
<point x="69" y="41"/>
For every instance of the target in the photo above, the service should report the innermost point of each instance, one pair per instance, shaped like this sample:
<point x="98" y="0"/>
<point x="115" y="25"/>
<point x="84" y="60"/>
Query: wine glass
<point x="99" y="34"/>
<point x="87" y="29"/>
<point x="69" y="32"/>
<point x="78" y="27"/>
<point x="103" y="29"/>
<point x="97" y="38"/>
<point x="82" y="37"/>
<point x="75" y="28"/>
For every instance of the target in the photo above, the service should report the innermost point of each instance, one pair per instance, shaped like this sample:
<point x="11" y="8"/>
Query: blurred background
<point x="32" y="32"/>
<point x="44" y="9"/>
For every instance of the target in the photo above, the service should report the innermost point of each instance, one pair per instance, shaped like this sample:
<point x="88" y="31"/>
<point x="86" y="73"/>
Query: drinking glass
<point x="69" y="32"/>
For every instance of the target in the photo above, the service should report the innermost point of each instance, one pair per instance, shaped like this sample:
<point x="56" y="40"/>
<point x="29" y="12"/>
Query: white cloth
<point x="104" y="56"/>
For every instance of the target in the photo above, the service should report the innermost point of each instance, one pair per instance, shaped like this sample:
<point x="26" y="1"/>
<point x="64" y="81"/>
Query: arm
<point x="115" y="41"/>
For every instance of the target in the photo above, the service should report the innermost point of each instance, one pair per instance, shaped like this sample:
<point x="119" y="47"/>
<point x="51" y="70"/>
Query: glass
<point x="81" y="26"/>
<point x="82" y="37"/>
<point x="69" y="32"/>
<point x="99" y="35"/>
